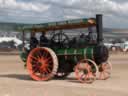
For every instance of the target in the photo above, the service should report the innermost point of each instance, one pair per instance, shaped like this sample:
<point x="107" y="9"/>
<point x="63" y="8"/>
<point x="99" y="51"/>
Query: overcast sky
<point x="38" y="11"/>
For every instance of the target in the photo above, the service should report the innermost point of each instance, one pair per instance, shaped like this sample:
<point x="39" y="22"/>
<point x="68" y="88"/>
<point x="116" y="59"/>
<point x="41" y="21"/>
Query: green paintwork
<point x="84" y="52"/>
<point x="23" y="56"/>
<point x="89" y="52"/>
<point x="75" y="53"/>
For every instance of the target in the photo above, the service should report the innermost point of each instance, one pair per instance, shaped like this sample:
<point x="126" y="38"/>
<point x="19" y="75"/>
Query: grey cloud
<point x="114" y="11"/>
<point x="120" y="1"/>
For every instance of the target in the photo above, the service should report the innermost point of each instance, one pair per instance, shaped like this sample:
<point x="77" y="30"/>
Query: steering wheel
<point x="60" y="40"/>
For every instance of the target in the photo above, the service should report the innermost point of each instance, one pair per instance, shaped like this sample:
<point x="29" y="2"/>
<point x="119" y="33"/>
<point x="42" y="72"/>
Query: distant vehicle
<point x="117" y="47"/>
<point x="125" y="46"/>
<point x="16" y="41"/>
<point x="108" y="45"/>
<point x="114" y="47"/>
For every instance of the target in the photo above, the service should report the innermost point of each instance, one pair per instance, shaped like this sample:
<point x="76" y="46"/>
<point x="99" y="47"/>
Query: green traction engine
<point x="65" y="52"/>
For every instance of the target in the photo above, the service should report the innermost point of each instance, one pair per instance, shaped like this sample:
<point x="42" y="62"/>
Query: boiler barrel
<point x="97" y="53"/>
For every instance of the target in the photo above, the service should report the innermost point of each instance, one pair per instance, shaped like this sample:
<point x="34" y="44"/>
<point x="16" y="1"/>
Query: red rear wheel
<point x="42" y="64"/>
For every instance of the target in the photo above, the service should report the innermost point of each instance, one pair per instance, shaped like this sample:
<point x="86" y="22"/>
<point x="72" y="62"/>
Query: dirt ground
<point x="15" y="81"/>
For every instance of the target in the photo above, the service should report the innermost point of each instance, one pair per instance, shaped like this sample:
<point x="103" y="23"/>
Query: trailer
<point x="63" y="52"/>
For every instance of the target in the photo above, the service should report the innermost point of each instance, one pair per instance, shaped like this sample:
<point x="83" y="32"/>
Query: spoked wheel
<point x="42" y="64"/>
<point x="61" y="75"/>
<point x="104" y="70"/>
<point x="86" y="71"/>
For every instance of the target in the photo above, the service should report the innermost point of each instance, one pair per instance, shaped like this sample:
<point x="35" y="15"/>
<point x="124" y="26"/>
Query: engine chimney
<point x="99" y="28"/>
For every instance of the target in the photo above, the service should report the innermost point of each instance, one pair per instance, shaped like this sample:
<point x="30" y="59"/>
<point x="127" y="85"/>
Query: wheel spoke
<point x="50" y="66"/>
<point x="34" y="62"/>
<point x="82" y="76"/>
<point x="107" y="75"/>
<point x="48" y="70"/>
<point x="50" y="62"/>
<point x="104" y="75"/>
<point x="35" y="66"/>
<point x="39" y="54"/>
<point x="42" y="74"/>
<point x="87" y="67"/>
<point x="108" y="72"/>
<point x="87" y="75"/>
<point x="91" y="74"/>
<point x="108" y="67"/>
<point x="101" y="75"/>
<point x="35" y="69"/>
<point x="49" y="59"/>
<point x="45" y="54"/>
<point x="43" y="71"/>
<point x="90" y="77"/>
<point x="33" y="58"/>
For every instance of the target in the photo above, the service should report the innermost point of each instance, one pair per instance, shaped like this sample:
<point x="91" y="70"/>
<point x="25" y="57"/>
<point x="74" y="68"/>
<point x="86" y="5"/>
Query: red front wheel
<point x="86" y="71"/>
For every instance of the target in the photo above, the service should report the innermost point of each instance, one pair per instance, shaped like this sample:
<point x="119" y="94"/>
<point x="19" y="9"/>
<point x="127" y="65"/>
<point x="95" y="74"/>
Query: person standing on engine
<point x="92" y="36"/>
<point x="33" y="41"/>
<point x="43" y="40"/>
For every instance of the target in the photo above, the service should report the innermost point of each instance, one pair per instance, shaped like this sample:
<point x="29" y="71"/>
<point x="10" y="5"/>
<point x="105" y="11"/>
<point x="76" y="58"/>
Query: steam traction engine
<point x="86" y="55"/>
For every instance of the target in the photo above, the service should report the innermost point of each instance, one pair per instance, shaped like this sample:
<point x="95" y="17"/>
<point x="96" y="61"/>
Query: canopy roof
<point x="61" y="25"/>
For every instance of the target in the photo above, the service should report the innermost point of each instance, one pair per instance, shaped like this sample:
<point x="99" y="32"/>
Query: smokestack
<point x="99" y="27"/>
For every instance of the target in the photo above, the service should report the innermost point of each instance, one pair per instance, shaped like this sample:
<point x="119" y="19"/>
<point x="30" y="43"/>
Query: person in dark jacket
<point x="33" y="41"/>
<point x="43" y="40"/>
